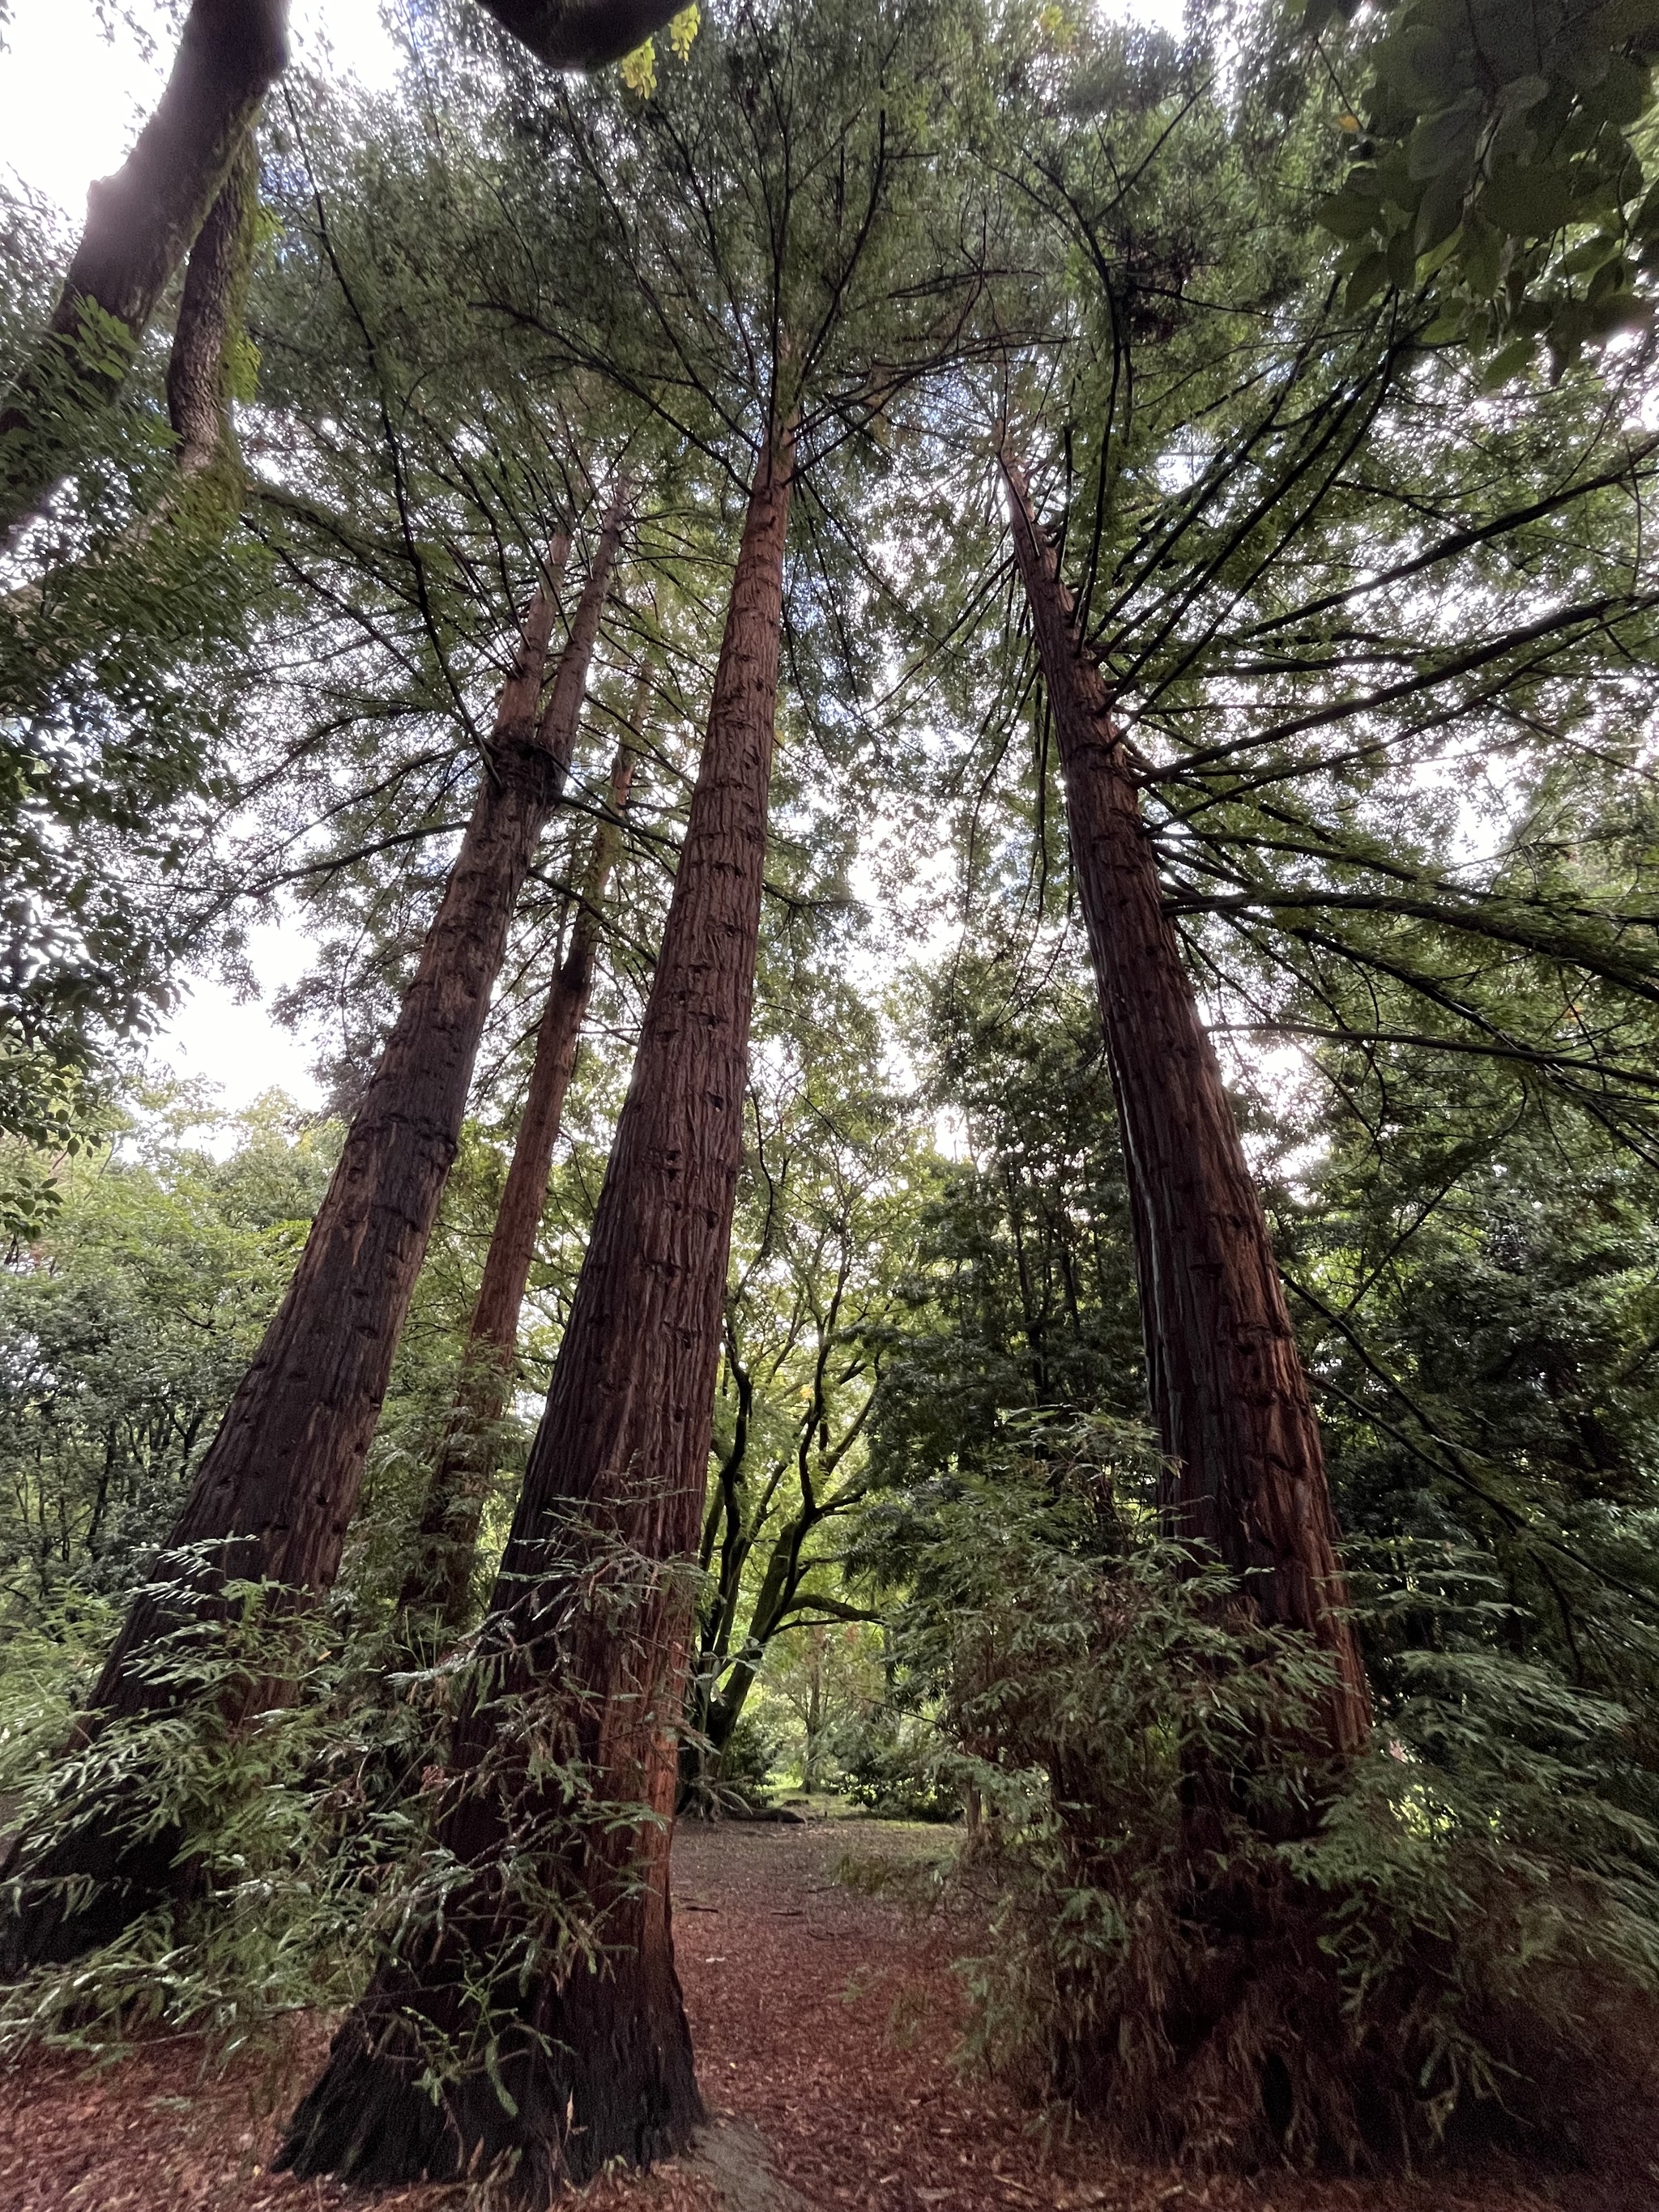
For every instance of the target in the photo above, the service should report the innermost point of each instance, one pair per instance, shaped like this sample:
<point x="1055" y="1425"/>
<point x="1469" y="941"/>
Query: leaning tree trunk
<point x="211" y="313"/>
<point x="142" y="220"/>
<point x="435" y="1592"/>
<point x="207" y="485"/>
<point x="274" y="1496"/>
<point x="561" y="1790"/>
<point x="1246" y="1471"/>
<point x="141" y="223"/>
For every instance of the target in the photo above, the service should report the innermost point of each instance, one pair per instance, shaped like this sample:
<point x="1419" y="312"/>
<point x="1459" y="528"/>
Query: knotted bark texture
<point x="1245" y="1469"/>
<point x="561" y="1769"/>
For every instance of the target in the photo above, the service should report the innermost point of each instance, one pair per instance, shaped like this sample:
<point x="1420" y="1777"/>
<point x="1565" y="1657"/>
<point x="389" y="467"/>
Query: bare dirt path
<point x="824" y="2026"/>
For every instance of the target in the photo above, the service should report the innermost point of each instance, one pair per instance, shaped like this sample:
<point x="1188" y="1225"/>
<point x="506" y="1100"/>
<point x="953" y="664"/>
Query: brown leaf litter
<point x="825" y="2026"/>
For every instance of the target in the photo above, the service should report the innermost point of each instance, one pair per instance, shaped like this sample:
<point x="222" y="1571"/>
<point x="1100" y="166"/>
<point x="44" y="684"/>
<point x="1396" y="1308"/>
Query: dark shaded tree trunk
<point x="1246" y="1474"/>
<point x="141" y="223"/>
<point x="210" y="314"/>
<point x="435" y="1592"/>
<point x="723" y="1683"/>
<point x="585" y="1647"/>
<point x="275" y="1494"/>
<point x="581" y="34"/>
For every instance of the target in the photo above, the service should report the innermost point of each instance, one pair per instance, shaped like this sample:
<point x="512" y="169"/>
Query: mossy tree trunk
<point x="141" y="223"/>
<point x="579" y="1675"/>
<point x="1246" y="1478"/>
<point x="211" y="314"/>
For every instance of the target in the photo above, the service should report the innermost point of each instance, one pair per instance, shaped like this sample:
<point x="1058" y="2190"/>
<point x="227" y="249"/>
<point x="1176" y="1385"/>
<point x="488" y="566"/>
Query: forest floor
<point x="825" y="2020"/>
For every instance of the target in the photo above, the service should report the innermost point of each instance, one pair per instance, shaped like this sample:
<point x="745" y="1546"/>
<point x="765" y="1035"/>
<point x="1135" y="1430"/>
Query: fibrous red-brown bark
<point x="592" y="1614"/>
<point x="141" y="223"/>
<point x="434" y="1591"/>
<point x="1246" y="1470"/>
<point x="275" y="1493"/>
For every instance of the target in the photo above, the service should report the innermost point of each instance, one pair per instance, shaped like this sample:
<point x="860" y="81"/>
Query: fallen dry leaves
<point x="824" y="2023"/>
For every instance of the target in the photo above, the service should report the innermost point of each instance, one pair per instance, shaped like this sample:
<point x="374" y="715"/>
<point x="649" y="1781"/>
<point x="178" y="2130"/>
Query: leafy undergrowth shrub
<point x="295" y="1781"/>
<point x="734" y="1783"/>
<point x="1231" y="1953"/>
<point x="286" y="1824"/>
<point x="895" y="1773"/>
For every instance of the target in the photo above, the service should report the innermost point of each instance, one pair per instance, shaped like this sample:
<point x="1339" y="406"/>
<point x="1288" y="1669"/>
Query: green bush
<point x="894" y="1770"/>
<point x="746" y="1764"/>
<point x="1229" y="1950"/>
<point x="294" y="1775"/>
<point x="277" y="1779"/>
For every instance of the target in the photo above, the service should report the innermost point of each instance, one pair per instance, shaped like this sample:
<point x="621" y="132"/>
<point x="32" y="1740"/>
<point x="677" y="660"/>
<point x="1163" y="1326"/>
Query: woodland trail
<point x="824" y="2024"/>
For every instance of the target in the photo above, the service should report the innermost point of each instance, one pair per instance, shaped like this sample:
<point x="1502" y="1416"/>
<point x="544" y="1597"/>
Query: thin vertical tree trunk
<point x="1246" y="1473"/>
<point x="562" y="1762"/>
<point x="275" y="1494"/>
<point x="434" y="1591"/>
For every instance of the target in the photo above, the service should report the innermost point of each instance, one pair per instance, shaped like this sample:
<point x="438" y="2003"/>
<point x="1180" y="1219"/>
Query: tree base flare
<point x="595" y="2070"/>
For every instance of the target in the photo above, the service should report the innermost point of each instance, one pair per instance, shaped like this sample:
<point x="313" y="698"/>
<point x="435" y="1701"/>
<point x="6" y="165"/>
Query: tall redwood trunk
<point x="276" y="1491"/>
<point x="434" y="1591"/>
<point x="592" y="1606"/>
<point x="1246" y="1468"/>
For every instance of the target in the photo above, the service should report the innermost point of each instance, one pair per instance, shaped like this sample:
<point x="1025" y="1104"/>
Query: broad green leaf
<point x="1527" y="203"/>
<point x="1502" y="365"/>
<point x="1443" y="142"/>
<point x="1603" y="247"/>
<point x="1345" y="214"/>
<point x="1442" y="210"/>
<point x="1418" y="66"/>
<point x="1368" y="279"/>
<point x="1622" y="93"/>
<point x="1522" y="93"/>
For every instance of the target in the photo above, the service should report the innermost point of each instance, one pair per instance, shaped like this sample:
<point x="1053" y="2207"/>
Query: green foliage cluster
<point x="288" y="1824"/>
<point x="1485" y="1363"/>
<point x="292" y="1771"/>
<point x="1229" y="1952"/>
<point x="124" y="1328"/>
<point x="128" y="615"/>
<point x="1503" y="153"/>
